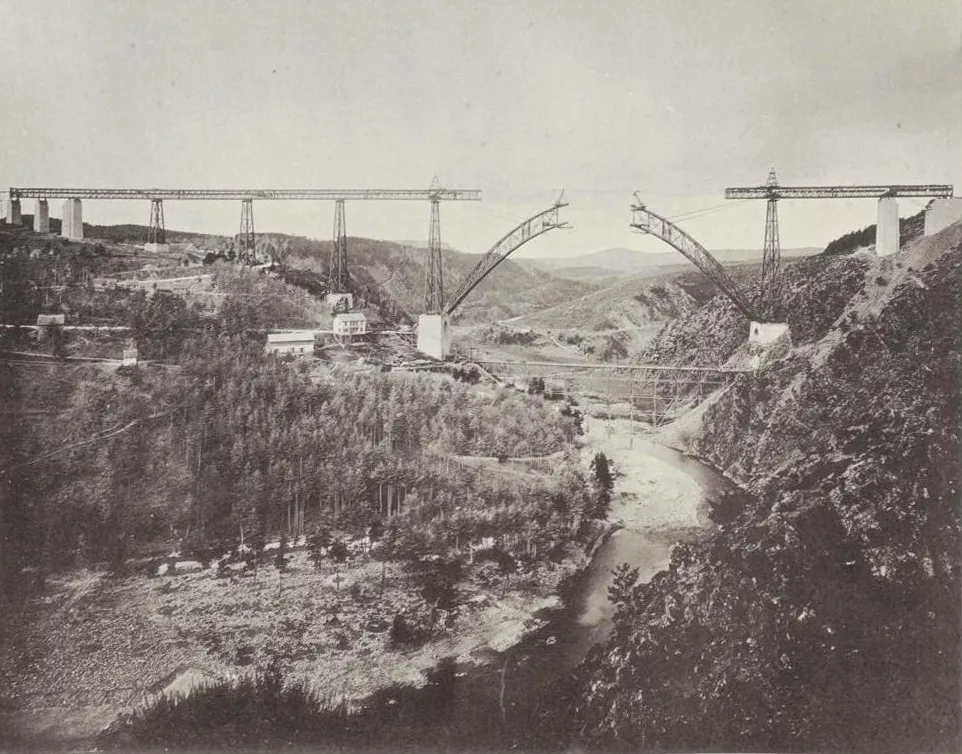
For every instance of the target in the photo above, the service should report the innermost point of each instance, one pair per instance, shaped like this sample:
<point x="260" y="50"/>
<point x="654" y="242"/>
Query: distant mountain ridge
<point x="423" y="244"/>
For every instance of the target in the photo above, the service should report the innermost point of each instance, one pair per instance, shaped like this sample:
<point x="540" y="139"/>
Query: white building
<point x="349" y="324"/>
<point x="297" y="342"/>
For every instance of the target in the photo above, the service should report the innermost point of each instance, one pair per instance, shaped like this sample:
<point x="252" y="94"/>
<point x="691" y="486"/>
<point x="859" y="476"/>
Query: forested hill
<point x="825" y="615"/>
<point x="232" y="440"/>
<point x="386" y="275"/>
<point x="910" y="228"/>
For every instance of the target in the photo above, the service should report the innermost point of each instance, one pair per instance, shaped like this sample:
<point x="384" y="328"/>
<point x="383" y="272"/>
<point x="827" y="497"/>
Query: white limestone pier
<point x="73" y="222"/>
<point x="887" y="240"/>
<point x="434" y="337"/>
<point x="14" y="216"/>
<point x="41" y="216"/>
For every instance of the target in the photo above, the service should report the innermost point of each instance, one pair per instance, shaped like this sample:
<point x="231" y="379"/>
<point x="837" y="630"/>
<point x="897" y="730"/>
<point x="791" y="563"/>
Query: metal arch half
<point x="646" y="221"/>
<point x="531" y="228"/>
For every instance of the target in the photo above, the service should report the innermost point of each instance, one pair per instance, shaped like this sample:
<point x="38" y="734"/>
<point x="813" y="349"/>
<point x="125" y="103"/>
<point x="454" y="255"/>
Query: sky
<point x="676" y="100"/>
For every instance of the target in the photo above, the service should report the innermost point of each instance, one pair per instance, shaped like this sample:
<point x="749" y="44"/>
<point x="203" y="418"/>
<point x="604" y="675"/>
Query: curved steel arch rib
<point x="531" y="228"/>
<point x="646" y="221"/>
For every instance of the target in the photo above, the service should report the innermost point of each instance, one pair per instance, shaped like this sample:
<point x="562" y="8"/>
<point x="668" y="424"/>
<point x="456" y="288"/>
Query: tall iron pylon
<point x="155" y="232"/>
<point x="434" y="288"/>
<point x="771" y="257"/>
<point x="338" y="273"/>
<point x="245" y="239"/>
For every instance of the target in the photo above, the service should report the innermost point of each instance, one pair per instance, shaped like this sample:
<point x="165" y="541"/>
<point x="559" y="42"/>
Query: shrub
<point x="254" y="711"/>
<point x="401" y="633"/>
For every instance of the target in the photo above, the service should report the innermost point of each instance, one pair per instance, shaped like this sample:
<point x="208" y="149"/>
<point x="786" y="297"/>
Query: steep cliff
<point x="825" y="614"/>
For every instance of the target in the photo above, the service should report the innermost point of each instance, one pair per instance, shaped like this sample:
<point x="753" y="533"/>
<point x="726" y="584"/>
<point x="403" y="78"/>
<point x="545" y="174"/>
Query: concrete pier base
<point x="340" y="302"/>
<point x="41" y="216"/>
<point x="766" y="333"/>
<point x="157" y="248"/>
<point x="887" y="230"/>
<point x="73" y="220"/>
<point x="14" y="215"/>
<point x="767" y="341"/>
<point x="434" y="337"/>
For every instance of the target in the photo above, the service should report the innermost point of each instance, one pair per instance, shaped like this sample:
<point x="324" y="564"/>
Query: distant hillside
<point x="394" y="273"/>
<point x="387" y="276"/>
<point x="132" y="233"/>
<point x="620" y="261"/>
<point x="631" y="311"/>
<point x="910" y="228"/>
<point x="627" y="314"/>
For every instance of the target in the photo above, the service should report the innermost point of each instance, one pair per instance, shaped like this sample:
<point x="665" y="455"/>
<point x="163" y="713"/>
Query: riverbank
<point x="652" y="495"/>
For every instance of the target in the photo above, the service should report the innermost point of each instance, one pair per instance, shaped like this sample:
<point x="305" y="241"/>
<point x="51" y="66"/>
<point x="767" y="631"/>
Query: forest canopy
<point x="230" y="441"/>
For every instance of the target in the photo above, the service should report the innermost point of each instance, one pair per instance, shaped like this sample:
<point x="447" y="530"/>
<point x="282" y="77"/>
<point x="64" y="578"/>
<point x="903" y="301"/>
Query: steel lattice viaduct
<point x="73" y="212"/>
<point x="433" y="334"/>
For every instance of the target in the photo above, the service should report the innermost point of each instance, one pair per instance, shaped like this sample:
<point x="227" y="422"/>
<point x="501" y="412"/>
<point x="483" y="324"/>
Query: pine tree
<point x="604" y="483"/>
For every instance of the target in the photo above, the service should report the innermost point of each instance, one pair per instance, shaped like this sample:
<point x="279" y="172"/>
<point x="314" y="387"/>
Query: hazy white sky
<point x="677" y="99"/>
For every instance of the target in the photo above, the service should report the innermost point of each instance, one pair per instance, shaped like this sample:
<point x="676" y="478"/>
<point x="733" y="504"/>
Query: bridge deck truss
<point x="242" y="194"/>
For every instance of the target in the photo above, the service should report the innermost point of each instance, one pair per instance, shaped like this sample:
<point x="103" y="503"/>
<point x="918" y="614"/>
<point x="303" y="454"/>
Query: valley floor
<point x="94" y="646"/>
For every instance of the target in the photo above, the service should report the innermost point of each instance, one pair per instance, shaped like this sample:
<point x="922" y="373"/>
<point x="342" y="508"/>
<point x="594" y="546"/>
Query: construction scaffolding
<point x="653" y="393"/>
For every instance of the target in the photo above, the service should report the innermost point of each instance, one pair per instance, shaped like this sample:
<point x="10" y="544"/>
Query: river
<point x="517" y="698"/>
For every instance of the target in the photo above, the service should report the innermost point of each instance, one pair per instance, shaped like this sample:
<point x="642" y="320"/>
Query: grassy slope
<point x="826" y="614"/>
<point x="630" y="311"/>
<point x="636" y="302"/>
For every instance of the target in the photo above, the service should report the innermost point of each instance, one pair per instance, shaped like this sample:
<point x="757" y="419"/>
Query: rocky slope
<point x="825" y="614"/>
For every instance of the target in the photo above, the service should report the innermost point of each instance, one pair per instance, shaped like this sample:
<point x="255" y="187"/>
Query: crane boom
<point x="837" y="192"/>
<point x="646" y="221"/>
<point x="531" y="228"/>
